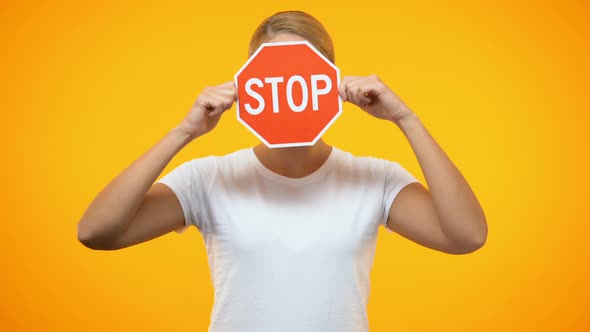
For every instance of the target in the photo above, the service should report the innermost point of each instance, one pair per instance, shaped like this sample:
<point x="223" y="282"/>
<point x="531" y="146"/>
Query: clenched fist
<point x="208" y="108"/>
<point x="372" y="95"/>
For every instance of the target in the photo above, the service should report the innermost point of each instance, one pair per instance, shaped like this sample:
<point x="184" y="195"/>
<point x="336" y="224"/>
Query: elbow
<point x="476" y="243"/>
<point x="470" y="245"/>
<point x="88" y="238"/>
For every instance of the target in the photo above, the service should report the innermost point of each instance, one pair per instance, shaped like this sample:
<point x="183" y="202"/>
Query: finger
<point x="374" y="89"/>
<point x="229" y="85"/>
<point x="353" y="97"/>
<point x="226" y="84"/>
<point x="361" y="95"/>
<point x="368" y="88"/>
<point x="344" y="84"/>
<point x="350" y="95"/>
<point x="342" y="88"/>
<point x="225" y="102"/>
<point x="354" y="94"/>
<point x="216" y="112"/>
<point x="228" y="95"/>
<point x="364" y="98"/>
<point x="226" y="92"/>
<point x="212" y="102"/>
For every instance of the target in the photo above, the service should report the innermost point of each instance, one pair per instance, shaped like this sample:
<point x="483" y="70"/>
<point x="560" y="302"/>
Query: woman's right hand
<point x="208" y="108"/>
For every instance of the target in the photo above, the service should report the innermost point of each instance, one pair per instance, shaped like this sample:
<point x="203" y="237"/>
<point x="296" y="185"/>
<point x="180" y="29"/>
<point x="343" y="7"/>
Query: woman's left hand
<point x="373" y="96"/>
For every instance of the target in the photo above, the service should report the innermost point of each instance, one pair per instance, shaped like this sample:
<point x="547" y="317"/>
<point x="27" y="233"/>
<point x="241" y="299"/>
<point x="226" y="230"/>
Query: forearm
<point x="113" y="208"/>
<point x="460" y="214"/>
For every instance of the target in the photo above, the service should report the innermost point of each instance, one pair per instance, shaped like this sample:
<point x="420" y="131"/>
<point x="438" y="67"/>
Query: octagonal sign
<point x="288" y="94"/>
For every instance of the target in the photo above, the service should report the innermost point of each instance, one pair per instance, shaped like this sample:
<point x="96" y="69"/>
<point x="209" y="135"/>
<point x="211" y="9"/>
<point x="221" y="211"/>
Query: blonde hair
<point x="295" y="22"/>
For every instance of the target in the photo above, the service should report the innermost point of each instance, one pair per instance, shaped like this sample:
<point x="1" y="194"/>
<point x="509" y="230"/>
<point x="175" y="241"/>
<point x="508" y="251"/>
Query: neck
<point x="293" y="162"/>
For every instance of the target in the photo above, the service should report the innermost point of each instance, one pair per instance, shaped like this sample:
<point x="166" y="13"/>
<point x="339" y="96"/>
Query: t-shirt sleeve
<point x="396" y="178"/>
<point x="189" y="186"/>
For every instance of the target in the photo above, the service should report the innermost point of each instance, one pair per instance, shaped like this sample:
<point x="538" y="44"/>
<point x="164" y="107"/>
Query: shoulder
<point x="365" y="164"/>
<point x="209" y="165"/>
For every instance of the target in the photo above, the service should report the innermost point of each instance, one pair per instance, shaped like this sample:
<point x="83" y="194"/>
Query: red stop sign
<point x="288" y="94"/>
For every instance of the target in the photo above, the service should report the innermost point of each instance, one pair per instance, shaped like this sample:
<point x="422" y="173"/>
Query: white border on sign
<point x="286" y="145"/>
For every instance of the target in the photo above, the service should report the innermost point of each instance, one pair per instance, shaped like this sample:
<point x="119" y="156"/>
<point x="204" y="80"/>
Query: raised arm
<point x="448" y="217"/>
<point x="131" y="208"/>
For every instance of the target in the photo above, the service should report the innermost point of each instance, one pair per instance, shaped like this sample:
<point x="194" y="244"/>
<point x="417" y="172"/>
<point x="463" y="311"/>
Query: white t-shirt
<point x="288" y="254"/>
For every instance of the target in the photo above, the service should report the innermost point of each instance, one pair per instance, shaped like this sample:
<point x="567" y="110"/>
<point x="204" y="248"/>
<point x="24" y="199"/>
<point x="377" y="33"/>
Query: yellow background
<point x="86" y="88"/>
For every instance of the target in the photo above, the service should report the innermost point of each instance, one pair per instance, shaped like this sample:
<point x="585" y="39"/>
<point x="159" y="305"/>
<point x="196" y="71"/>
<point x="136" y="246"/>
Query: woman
<point x="290" y="232"/>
